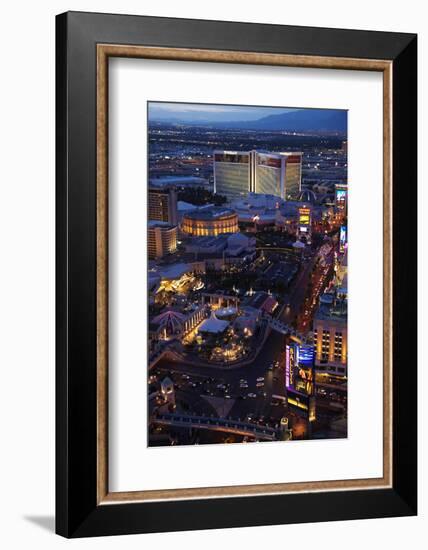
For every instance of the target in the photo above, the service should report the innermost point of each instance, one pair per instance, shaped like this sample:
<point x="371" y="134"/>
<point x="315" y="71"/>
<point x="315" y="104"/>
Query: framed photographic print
<point x="236" y="274"/>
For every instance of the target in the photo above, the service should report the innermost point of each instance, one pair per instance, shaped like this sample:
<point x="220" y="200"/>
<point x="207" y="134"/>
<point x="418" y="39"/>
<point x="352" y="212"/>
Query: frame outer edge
<point x="405" y="274"/>
<point x="113" y="519"/>
<point x="61" y="268"/>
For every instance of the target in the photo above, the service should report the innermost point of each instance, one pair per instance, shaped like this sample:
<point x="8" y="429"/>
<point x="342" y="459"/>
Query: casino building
<point x="210" y="222"/>
<point x="237" y="173"/>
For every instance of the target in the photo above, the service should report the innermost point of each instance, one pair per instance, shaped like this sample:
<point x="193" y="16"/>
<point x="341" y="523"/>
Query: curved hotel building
<point x="210" y="222"/>
<point x="161" y="239"/>
<point x="237" y="173"/>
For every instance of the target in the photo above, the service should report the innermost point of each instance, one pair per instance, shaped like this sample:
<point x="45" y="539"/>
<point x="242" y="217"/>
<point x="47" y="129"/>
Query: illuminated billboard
<point x="343" y="238"/>
<point x="299" y="360"/>
<point x="306" y="355"/>
<point x="299" y="378"/>
<point x="304" y="216"/>
<point x="341" y="196"/>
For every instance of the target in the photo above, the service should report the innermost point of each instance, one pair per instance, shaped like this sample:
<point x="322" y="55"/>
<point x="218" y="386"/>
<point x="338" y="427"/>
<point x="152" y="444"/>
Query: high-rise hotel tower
<point x="238" y="173"/>
<point x="233" y="174"/>
<point x="162" y="204"/>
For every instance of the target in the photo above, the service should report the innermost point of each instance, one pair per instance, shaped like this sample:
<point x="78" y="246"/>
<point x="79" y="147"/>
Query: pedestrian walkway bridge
<point x="283" y="328"/>
<point x="217" y="424"/>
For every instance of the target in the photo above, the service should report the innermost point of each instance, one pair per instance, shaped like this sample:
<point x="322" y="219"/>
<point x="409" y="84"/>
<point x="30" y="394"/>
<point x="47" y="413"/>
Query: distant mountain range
<point x="304" y="120"/>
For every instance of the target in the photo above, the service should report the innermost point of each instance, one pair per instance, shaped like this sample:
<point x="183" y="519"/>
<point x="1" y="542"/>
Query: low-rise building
<point x="263" y="302"/>
<point x="179" y="181"/>
<point x="233" y="246"/>
<point x="257" y="211"/>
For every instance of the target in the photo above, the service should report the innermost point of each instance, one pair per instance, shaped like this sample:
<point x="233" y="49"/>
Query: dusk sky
<point x="209" y="112"/>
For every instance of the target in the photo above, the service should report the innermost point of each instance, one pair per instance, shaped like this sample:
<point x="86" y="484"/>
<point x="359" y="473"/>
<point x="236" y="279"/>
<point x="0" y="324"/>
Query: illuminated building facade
<point x="299" y="378"/>
<point x="162" y="204"/>
<point x="238" y="173"/>
<point x="330" y="336"/>
<point x="210" y="222"/>
<point x="161" y="239"/>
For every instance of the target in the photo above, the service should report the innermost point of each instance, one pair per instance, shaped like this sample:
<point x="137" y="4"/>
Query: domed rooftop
<point x="170" y="320"/>
<point x="210" y="214"/>
<point x="307" y="195"/>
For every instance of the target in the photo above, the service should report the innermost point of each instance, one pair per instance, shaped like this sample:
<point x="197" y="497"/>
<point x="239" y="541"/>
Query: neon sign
<point x="292" y="364"/>
<point x="287" y="366"/>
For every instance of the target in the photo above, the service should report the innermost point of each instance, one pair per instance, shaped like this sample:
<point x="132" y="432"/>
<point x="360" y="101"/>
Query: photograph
<point x="247" y="270"/>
